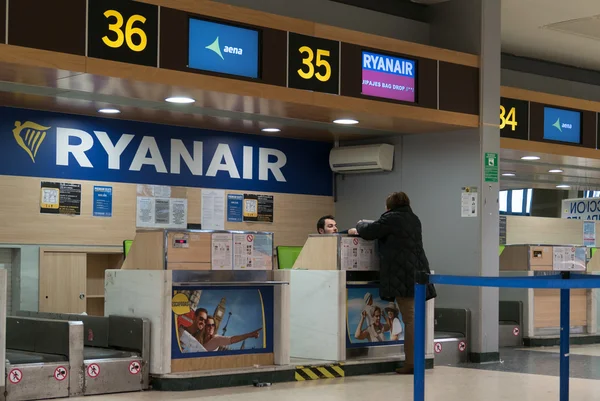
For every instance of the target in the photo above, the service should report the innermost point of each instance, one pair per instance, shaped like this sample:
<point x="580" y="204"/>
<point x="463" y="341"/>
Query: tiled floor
<point x="524" y="375"/>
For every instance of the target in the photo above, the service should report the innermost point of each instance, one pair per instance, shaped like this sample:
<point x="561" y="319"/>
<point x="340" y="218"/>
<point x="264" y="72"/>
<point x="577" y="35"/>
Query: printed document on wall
<point x="161" y="212"/>
<point x="222" y="244"/>
<point x="468" y="202"/>
<point x="213" y="209"/>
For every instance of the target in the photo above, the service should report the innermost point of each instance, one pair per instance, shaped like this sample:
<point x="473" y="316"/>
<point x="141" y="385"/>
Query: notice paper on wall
<point x="102" y="201"/>
<point x="357" y="254"/>
<point x="60" y="198"/>
<point x="569" y="258"/>
<point x="222" y="251"/>
<point x="468" y="202"/>
<point x="161" y="212"/>
<point x="235" y="208"/>
<point x="154" y="191"/>
<point x="252" y="251"/>
<point x="258" y="208"/>
<point x="589" y="234"/>
<point x="213" y="209"/>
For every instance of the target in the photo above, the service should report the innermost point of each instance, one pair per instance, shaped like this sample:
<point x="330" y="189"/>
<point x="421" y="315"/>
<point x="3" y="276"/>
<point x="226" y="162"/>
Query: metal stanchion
<point x="419" y="351"/>
<point x="565" y="329"/>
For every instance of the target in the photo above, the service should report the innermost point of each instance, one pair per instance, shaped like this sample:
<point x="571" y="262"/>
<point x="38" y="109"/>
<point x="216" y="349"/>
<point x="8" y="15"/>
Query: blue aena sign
<point x="223" y="48"/>
<point x="43" y="144"/>
<point x="562" y="125"/>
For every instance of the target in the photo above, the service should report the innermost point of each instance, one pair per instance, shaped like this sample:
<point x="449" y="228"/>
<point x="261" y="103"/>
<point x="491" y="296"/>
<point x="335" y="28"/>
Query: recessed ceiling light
<point x="180" y="99"/>
<point x="530" y="158"/>
<point x="556" y="170"/>
<point x="270" y="130"/>
<point x="109" y="111"/>
<point x="508" y="174"/>
<point x="563" y="186"/>
<point x="345" y="121"/>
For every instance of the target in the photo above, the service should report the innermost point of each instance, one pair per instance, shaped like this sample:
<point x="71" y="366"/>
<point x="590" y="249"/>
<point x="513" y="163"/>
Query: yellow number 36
<point x="129" y="33"/>
<point x="508" y="119"/>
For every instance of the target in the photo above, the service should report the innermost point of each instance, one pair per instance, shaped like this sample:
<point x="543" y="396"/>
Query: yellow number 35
<point x="129" y="33"/>
<point x="510" y="119"/>
<point x="308" y="61"/>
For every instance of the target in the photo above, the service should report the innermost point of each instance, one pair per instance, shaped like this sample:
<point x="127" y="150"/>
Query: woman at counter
<point x="400" y="239"/>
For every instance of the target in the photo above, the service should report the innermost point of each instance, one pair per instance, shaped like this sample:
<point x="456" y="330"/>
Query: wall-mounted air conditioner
<point x="362" y="159"/>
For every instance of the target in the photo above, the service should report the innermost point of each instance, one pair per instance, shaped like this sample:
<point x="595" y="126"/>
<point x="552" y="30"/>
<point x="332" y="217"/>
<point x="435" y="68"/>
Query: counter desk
<point x="335" y="310"/>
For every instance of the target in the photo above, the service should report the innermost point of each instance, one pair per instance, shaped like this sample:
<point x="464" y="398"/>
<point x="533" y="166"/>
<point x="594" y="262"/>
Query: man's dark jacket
<point x="401" y="252"/>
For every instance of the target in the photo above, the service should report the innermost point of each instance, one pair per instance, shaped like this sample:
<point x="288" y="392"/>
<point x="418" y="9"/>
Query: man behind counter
<point x="327" y="225"/>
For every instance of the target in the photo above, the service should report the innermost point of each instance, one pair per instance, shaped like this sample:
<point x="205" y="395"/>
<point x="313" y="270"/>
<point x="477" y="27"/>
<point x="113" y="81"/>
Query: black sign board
<point x="60" y="198"/>
<point x="313" y="64"/>
<point x="125" y="31"/>
<point x="514" y="118"/>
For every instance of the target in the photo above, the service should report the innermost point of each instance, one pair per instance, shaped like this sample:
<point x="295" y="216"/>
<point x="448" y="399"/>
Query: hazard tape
<point x="304" y="373"/>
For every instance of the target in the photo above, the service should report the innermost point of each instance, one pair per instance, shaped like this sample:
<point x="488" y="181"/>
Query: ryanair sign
<point x="52" y="145"/>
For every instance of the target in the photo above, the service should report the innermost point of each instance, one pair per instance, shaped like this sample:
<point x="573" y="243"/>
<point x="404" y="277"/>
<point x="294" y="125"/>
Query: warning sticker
<point x="93" y="370"/>
<point x="437" y="347"/>
<point x="516" y="331"/>
<point x="135" y="367"/>
<point x="60" y="373"/>
<point x="462" y="346"/>
<point x="15" y="376"/>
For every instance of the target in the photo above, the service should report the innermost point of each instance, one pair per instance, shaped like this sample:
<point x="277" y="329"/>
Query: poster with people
<point x="372" y="321"/>
<point x="210" y="321"/>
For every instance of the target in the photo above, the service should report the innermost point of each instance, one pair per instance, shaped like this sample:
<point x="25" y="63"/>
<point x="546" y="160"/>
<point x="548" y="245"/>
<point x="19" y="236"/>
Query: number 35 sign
<point x="124" y="31"/>
<point x="313" y="64"/>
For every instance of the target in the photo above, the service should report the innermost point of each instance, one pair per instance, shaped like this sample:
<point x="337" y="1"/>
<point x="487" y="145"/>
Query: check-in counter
<point x="212" y="299"/>
<point x="334" y="287"/>
<point x="541" y="307"/>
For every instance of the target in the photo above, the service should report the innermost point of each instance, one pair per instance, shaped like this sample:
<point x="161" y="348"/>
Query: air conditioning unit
<point x="362" y="159"/>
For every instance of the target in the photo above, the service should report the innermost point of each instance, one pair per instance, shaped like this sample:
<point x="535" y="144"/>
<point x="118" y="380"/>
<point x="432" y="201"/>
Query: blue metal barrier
<point x="564" y="281"/>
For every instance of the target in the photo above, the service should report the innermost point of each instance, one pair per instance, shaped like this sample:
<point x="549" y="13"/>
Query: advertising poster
<point x="371" y="321"/>
<point x="589" y="233"/>
<point x="252" y="251"/>
<point x="60" y="198"/>
<point x="258" y="208"/>
<point x="102" y="201"/>
<point x="212" y="321"/>
<point x="235" y="208"/>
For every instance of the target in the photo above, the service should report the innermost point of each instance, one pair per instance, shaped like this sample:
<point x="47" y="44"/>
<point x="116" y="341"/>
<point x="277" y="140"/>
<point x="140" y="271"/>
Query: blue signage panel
<point x="562" y="125"/>
<point x="235" y="208"/>
<point x="223" y="48"/>
<point x="103" y="201"/>
<point x="388" y="77"/>
<point x="43" y="144"/>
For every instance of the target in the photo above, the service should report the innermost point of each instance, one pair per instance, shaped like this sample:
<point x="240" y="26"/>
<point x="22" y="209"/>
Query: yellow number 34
<point x="509" y="119"/>
<point x="308" y="61"/>
<point x="129" y="33"/>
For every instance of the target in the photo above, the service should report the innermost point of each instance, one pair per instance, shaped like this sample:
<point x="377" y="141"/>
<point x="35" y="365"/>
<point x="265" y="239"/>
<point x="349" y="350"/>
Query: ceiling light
<point x="508" y="174"/>
<point x="109" y="111"/>
<point x="530" y="158"/>
<point x="556" y="170"/>
<point x="345" y="121"/>
<point x="270" y="130"/>
<point x="563" y="186"/>
<point x="180" y="100"/>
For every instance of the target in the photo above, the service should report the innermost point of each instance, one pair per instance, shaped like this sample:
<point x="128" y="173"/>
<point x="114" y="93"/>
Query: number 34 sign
<point x="514" y="118"/>
<point x="314" y="64"/>
<point x="124" y="31"/>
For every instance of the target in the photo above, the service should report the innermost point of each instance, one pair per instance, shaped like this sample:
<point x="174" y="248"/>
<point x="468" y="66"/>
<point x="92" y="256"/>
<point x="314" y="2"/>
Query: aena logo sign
<point x="76" y="144"/>
<point x="29" y="137"/>
<point x="215" y="47"/>
<point x="560" y="126"/>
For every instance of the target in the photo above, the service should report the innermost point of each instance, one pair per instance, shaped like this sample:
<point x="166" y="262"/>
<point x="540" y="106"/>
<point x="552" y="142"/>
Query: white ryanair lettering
<point x="72" y="146"/>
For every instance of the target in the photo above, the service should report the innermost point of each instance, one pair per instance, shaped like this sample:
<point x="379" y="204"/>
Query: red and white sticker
<point x="462" y="346"/>
<point x="93" y="370"/>
<point x="15" y="376"/>
<point x="60" y="373"/>
<point x="355" y="241"/>
<point x="250" y="238"/>
<point x="437" y="347"/>
<point x="135" y="367"/>
<point x="516" y="331"/>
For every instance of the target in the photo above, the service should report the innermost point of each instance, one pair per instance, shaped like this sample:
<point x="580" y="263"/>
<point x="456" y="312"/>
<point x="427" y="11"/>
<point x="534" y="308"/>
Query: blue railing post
<point x="419" y="336"/>
<point x="565" y="328"/>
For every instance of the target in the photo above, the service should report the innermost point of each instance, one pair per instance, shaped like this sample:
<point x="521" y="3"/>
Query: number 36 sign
<point x="314" y="64"/>
<point x="124" y="31"/>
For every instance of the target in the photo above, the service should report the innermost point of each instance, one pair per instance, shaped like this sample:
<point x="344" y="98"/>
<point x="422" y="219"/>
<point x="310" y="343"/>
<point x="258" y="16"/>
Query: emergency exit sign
<point x="490" y="167"/>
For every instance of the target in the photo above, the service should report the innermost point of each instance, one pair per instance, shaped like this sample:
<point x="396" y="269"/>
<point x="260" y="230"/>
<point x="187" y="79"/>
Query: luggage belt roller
<point x="451" y="336"/>
<point x="115" y="354"/>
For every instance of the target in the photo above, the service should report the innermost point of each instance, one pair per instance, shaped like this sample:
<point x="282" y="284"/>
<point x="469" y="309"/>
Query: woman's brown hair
<point x="396" y="200"/>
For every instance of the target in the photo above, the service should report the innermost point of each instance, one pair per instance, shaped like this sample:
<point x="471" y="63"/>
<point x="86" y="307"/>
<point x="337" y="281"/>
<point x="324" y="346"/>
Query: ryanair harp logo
<point x="30" y="136"/>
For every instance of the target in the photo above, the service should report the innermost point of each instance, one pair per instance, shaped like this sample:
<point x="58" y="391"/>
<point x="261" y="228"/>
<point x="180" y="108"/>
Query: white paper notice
<point x="178" y="213"/>
<point x="349" y="250"/>
<point x="213" y="209"/>
<point x="161" y="212"/>
<point x="569" y="258"/>
<point x="222" y="244"/>
<point x="468" y="202"/>
<point x="243" y="245"/>
<point x="145" y="212"/>
<point x="160" y="191"/>
<point x="358" y="254"/>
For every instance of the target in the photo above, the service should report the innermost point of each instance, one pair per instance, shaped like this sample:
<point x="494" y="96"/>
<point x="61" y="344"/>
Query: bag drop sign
<point x="581" y="209"/>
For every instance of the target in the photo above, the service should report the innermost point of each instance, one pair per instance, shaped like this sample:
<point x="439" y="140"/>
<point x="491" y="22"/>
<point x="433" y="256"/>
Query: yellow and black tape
<point x="304" y="373"/>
